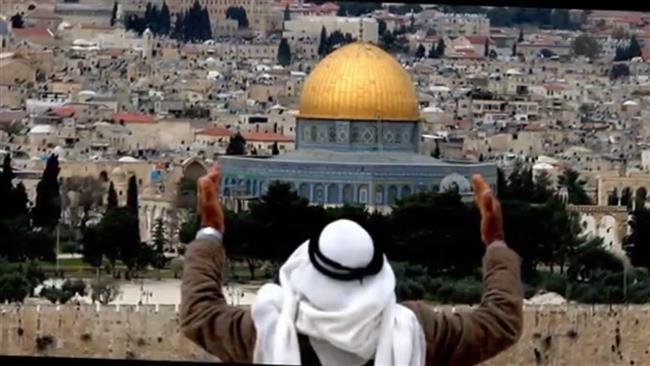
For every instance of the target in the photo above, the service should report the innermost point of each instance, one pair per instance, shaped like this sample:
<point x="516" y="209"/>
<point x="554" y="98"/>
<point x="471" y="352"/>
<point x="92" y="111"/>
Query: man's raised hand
<point x="490" y="207"/>
<point x="207" y="190"/>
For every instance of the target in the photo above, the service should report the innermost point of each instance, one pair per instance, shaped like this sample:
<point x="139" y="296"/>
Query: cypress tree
<point x="111" y="201"/>
<point x="205" y="24"/>
<point x="634" y="49"/>
<point x="275" y="150"/>
<point x="47" y="210"/>
<point x="114" y="14"/>
<point x="179" y="30"/>
<point x="486" y="52"/>
<point x="287" y="13"/>
<point x="419" y="52"/>
<point x="440" y="50"/>
<point x="165" y="19"/>
<point x="20" y="200"/>
<point x="432" y="52"/>
<point x="323" y="48"/>
<point x="284" y="53"/>
<point x="132" y="195"/>
<point x="6" y="187"/>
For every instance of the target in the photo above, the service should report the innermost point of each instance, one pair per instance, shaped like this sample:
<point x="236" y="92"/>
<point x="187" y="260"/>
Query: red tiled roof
<point x="477" y="39"/>
<point x="266" y="137"/>
<point x="557" y="87"/>
<point x="329" y="6"/>
<point x="132" y="118"/>
<point x="64" y="112"/>
<point x="216" y="132"/>
<point x="32" y="32"/>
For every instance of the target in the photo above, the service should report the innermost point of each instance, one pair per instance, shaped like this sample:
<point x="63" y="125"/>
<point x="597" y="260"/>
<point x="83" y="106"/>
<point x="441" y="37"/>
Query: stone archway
<point x="455" y="183"/>
<point x="193" y="168"/>
<point x="392" y="194"/>
<point x="303" y="190"/>
<point x="333" y="194"/>
<point x="610" y="223"/>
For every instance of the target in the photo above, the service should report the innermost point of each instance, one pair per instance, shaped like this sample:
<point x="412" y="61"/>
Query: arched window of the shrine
<point x="406" y="191"/>
<point x="348" y="194"/>
<point x="333" y="194"/>
<point x="363" y="194"/>
<point x="392" y="194"/>
<point x="303" y="190"/>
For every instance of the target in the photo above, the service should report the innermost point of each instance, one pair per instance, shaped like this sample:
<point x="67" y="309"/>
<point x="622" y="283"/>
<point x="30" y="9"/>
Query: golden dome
<point x="359" y="82"/>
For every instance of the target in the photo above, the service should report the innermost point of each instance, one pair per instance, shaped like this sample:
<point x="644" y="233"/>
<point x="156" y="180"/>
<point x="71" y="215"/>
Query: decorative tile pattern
<point x="368" y="136"/>
<point x="322" y="135"/>
<point x="331" y="134"/>
<point x="355" y="134"/>
<point x="389" y="136"/>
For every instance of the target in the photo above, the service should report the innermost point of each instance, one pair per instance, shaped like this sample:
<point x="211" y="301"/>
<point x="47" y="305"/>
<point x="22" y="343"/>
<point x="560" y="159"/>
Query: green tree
<point x="637" y="245"/>
<point x="236" y="145"/>
<point x="132" y="195"/>
<point x="111" y="200"/>
<point x="514" y="50"/>
<point x="284" y="53"/>
<point x="159" y="241"/>
<point x="179" y="26"/>
<point x="188" y="229"/>
<point x="6" y="186"/>
<point x="47" y="210"/>
<point x="561" y="19"/>
<point x="427" y="218"/>
<point x="432" y="52"/>
<point x="585" y="45"/>
<point x="634" y="49"/>
<point x="323" y="46"/>
<point x="436" y="151"/>
<point x="165" y="19"/>
<point x="119" y="236"/>
<point x="381" y="25"/>
<point x="542" y="191"/>
<point x="486" y="51"/>
<point x="287" y="13"/>
<point x="19" y="201"/>
<point x="521" y="35"/>
<point x="92" y="250"/>
<point x="419" y="52"/>
<point x="440" y="49"/>
<point x="570" y="179"/>
<point x="238" y="13"/>
<point x="275" y="150"/>
<point x="619" y="71"/>
<point x="114" y="14"/>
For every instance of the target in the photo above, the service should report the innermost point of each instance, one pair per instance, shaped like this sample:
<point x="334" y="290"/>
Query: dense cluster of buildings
<point x="360" y="125"/>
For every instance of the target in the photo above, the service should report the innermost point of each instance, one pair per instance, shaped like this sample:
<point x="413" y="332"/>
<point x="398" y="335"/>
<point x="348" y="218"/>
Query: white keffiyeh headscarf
<point x="358" y="318"/>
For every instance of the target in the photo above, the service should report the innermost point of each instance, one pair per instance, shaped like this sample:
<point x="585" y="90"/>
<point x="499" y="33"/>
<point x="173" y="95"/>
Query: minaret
<point x="147" y="49"/>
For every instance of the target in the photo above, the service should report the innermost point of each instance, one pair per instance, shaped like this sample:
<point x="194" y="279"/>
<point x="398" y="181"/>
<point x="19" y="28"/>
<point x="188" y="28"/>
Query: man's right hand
<point x="490" y="208"/>
<point x="209" y="207"/>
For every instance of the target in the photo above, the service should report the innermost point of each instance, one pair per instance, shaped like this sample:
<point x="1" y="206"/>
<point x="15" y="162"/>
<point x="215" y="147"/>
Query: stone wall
<point x="553" y="335"/>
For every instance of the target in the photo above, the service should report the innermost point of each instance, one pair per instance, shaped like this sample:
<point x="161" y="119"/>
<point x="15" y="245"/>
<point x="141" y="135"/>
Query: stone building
<point x="357" y="139"/>
<point x="262" y="17"/>
<point x="363" y="29"/>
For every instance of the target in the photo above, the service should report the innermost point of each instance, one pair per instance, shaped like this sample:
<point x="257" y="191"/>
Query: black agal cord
<point x="338" y="271"/>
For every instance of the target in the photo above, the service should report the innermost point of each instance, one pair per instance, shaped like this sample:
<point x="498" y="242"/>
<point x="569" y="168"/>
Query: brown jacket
<point x="461" y="338"/>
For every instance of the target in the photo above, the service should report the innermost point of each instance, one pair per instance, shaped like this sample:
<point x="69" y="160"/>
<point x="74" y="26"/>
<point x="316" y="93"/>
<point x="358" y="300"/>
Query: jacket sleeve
<point x="223" y="330"/>
<point x="467" y="338"/>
